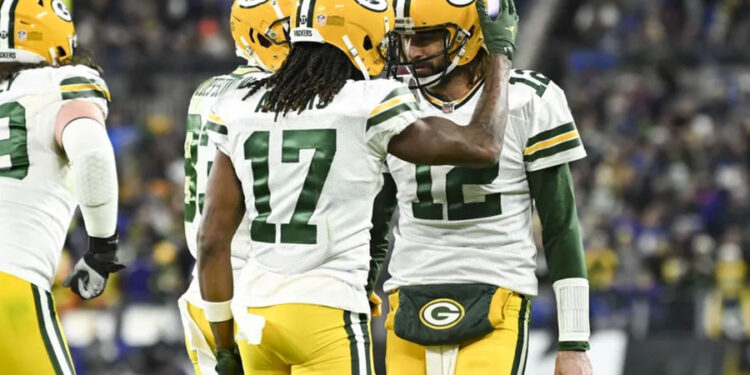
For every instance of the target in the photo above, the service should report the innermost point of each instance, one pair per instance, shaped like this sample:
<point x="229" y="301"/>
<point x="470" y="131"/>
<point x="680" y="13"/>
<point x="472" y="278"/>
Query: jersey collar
<point x="451" y="106"/>
<point x="246" y="69"/>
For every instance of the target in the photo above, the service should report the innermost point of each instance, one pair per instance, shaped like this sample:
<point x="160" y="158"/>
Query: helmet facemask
<point x="454" y="42"/>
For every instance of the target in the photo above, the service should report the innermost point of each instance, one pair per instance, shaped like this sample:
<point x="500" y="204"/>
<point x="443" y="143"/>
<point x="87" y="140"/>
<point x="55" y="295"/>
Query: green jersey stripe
<point x="43" y="330"/>
<point x="565" y="146"/>
<point x="391" y="113"/>
<point x="80" y="81"/>
<point x="397" y="92"/>
<point x="549" y="134"/>
<point x="84" y="94"/>
<point x="217" y="128"/>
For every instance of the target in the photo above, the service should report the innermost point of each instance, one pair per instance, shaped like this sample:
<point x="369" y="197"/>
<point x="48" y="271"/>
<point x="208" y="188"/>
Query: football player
<point x="52" y="131"/>
<point x="462" y="268"/>
<point x="260" y="33"/>
<point x="300" y="155"/>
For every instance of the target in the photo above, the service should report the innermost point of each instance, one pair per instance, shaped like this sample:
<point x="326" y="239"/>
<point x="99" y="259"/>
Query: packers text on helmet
<point x="33" y="31"/>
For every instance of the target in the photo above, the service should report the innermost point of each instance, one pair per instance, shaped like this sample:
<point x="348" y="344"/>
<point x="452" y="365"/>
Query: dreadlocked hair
<point x="10" y="69"/>
<point x="311" y="70"/>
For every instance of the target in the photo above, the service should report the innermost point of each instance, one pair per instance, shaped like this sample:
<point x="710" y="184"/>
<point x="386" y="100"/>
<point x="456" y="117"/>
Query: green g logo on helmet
<point x="442" y="313"/>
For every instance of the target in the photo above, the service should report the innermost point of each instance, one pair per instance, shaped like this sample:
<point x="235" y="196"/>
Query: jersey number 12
<point x="425" y="208"/>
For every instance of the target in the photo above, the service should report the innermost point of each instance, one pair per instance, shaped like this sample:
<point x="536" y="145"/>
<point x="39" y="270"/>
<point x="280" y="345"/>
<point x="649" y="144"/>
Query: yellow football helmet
<point x="33" y="31"/>
<point x="356" y="27"/>
<point x="260" y="29"/>
<point x="463" y="36"/>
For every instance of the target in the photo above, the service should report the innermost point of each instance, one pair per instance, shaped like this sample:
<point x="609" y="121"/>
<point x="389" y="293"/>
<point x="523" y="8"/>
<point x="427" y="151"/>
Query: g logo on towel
<point x="442" y="313"/>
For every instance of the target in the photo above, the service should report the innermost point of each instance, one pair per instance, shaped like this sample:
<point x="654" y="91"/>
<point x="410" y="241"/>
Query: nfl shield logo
<point x="321" y="19"/>
<point x="22" y="35"/>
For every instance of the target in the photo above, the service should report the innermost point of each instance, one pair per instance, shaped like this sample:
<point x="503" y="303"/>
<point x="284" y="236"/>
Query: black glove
<point x="89" y="277"/>
<point x="228" y="361"/>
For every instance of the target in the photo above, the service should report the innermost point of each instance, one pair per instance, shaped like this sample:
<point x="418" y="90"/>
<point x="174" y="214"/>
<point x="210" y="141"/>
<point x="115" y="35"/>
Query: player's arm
<point x="552" y="190"/>
<point x="222" y="215"/>
<point x="382" y="211"/>
<point x="436" y="140"/>
<point x="80" y="133"/>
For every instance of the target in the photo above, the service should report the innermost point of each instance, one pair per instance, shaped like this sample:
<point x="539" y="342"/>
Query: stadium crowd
<point x="660" y="96"/>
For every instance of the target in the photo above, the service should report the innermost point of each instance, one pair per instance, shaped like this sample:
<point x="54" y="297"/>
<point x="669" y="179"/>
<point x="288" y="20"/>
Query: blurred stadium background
<point x="661" y="93"/>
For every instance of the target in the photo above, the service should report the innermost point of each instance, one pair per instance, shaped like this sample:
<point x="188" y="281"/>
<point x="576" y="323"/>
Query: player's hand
<point x="89" y="276"/>
<point x="573" y="363"/>
<point x="375" y="305"/>
<point x="228" y="361"/>
<point x="499" y="31"/>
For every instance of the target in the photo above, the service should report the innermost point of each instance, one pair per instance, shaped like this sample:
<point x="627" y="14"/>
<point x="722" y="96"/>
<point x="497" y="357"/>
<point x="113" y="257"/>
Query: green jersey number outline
<point x="426" y="208"/>
<point x="535" y="80"/>
<point x="15" y="146"/>
<point x="195" y="134"/>
<point x="298" y="230"/>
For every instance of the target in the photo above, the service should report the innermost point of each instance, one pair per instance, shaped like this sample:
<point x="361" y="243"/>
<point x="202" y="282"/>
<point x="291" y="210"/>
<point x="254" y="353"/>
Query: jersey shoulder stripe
<point x="553" y="141"/>
<point x="550" y="134"/>
<point x="563" y="145"/>
<point x="216" y="125"/>
<point x="83" y="87"/>
<point x="395" y="103"/>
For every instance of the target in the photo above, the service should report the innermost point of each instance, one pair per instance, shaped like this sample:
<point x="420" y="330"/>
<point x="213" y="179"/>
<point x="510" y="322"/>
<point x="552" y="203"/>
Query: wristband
<point x="572" y="296"/>
<point x="217" y="311"/>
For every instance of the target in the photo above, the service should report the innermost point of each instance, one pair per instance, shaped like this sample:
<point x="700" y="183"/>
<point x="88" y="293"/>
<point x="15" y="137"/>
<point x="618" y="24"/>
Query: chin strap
<point x="355" y="55"/>
<point x="434" y="79"/>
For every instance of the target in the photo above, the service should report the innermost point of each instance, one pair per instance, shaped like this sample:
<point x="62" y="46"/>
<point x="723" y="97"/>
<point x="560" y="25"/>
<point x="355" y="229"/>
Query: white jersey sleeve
<point x="552" y="138"/>
<point x="218" y="133"/>
<point x="393" y="114"/>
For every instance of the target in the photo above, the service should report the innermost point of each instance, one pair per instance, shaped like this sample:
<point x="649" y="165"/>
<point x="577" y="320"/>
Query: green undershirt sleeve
<point x="382" y="211"/>
<point x="552" y="190"/>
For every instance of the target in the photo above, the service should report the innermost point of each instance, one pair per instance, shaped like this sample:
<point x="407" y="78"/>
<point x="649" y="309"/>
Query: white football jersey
<point x="36" y="198"/>
<point x="462" y="225"/>
<point x="309" y="182"/>
<point x="199" y="156"/>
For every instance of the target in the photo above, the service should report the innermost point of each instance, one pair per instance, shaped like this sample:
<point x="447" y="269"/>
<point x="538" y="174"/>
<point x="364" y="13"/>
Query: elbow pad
<point x="92" y="164"/>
